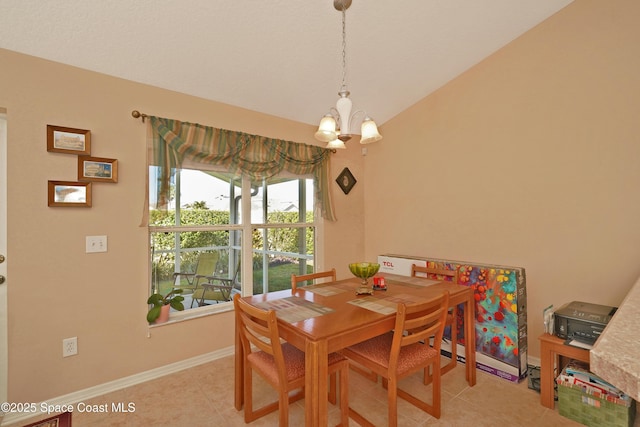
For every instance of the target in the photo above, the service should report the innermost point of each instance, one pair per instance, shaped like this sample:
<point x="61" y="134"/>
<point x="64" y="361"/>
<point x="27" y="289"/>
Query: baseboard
<point x="111" y="386"/>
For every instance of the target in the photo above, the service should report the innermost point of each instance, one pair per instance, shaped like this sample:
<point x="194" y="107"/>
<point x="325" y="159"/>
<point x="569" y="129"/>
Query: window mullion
<point x="265" y="237"/>
<point x="302" y="217"/>
<point x="178" y="249"/>
<point x="247" y="243"/>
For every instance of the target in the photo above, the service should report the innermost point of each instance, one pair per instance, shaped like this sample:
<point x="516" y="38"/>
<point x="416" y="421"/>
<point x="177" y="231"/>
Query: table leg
<point x="470" y="340"/>
<point x="546" y="375"/>
<point x="316" y="387"/>
<point x="239" y="372"/>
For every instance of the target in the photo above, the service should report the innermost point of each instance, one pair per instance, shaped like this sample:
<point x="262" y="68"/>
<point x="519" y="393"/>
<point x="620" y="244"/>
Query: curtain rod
<point x="138" y="115"/>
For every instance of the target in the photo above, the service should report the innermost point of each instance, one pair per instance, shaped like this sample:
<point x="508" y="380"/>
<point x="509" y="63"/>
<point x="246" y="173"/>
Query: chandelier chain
<point x="344" y="48"/>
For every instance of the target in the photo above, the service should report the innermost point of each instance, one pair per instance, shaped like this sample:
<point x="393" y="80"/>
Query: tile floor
<point x="203" y="396"/>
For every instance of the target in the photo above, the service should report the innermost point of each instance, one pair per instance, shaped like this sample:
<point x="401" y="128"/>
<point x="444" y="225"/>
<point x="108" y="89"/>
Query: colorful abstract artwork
<point x="495" y="293"/>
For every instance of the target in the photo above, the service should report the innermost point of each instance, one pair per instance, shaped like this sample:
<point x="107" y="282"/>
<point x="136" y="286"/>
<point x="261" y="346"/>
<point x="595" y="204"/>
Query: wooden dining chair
<point x="280" y="364"/>
<point x="398" y="354"/>
<point x="452" y="316"/>
<point x="295" y="279"/>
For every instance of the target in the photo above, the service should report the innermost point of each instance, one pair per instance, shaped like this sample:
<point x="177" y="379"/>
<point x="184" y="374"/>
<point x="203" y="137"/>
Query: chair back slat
<point x="453" y="274"/>
<point x="296" y="279"/>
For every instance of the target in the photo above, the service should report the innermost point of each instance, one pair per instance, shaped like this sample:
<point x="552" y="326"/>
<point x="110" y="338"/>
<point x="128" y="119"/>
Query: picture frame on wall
<point x="97" y="169"/>
<point x="68" y="140"/>
<point x="346" y="180"/>
<point x="69" y="194"/>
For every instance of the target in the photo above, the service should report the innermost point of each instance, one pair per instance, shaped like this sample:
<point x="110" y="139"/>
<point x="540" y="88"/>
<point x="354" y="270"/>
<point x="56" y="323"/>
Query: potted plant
<point x="159" y="313"/>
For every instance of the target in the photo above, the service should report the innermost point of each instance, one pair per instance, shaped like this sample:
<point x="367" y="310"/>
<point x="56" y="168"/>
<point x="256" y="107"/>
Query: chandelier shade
<point x="369" y="131"/>
<point x="336" y="143"/>
<point x="335" y="126"/>
<point x="327" y="129"/>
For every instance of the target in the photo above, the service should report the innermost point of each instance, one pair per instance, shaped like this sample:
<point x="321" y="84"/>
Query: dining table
<point x="324" y="318"/>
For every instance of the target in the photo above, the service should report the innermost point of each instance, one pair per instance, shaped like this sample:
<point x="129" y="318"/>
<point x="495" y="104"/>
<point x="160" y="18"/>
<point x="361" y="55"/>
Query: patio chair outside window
<point x="205" y="268"/>
<point x="218" y="289"/>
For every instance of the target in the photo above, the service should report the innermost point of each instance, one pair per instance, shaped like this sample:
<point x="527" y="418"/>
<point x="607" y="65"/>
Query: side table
<point x="551" y="348"/>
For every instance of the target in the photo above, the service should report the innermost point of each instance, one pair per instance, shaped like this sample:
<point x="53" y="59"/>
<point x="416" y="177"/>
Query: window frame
<point x="246" y="228"/>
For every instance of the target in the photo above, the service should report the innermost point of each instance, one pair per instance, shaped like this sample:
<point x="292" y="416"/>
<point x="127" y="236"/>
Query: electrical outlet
<point x="96" y="244"/>
<point x="69" y="347"/>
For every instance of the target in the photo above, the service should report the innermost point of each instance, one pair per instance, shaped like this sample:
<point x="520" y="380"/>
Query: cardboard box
<point x="589" y="400"/>
<point x="500" y="309"/>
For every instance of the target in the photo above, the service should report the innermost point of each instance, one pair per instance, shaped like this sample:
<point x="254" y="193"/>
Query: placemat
<point x="418" y="282"/>
<point x="325" y="290"/>
<point x="294" y="309"/>
<point x="386" y="304"/>
<point x="378" y="305"/>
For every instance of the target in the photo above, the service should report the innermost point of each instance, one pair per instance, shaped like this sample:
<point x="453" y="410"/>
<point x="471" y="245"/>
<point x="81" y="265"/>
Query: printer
<point x="582" y="321"/>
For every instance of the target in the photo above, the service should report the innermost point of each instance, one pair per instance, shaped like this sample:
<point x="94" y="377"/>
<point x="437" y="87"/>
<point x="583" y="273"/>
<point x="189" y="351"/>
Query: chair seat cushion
<point x="378" y="349"/>
<point x="293" y="361"/>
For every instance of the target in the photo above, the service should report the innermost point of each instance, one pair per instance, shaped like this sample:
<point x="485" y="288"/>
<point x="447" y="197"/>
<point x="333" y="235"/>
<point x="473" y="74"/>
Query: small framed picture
<point x="68" y="140"/>
<point x="346" y="180"/>
<point x="69" y="194"/>
<point x="97" y="169"/>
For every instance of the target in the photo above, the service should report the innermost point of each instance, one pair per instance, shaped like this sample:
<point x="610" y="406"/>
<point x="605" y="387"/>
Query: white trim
<point x="193" y="313"/>
<point x="99" y="390"/>
<point x="4" y="323"/>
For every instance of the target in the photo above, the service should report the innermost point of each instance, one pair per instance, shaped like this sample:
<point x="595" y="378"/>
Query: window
<point x="203" y="234"/>
<point x="283" y="242"/>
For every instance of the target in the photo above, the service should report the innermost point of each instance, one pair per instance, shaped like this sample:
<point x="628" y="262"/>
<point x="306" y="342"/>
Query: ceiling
<point x="280" y="57"/>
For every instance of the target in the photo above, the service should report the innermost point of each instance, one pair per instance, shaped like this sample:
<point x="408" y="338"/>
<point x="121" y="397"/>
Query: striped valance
<point x="174" y="143"/>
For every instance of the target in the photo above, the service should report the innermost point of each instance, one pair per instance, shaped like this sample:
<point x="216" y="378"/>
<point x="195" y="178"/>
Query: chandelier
<point x="335" y="126"/>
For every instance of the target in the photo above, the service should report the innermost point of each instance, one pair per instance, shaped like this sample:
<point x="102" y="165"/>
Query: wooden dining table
<point x="328" y="317"/>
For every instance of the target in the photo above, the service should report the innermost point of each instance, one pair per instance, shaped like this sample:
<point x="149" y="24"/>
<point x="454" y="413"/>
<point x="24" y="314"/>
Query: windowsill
<point x="195" y="313"/>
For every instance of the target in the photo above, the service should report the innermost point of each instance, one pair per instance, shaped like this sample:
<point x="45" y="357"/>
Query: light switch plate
<point x="96" y="244"/>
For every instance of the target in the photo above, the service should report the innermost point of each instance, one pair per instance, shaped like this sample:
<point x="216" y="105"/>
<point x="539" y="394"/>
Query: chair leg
<point x="248" y="393"/>
<point x="251" y="414"/>
<point x="344" y="394"/>
<point x="332" y="388"/>
<point x="454" y="342"/>
<point x="436" y="399"/>
<point x="428" y="377"/>
<point x="392" y="402"/>
<point x="436" y="391"/>
<point x="283" y="406"/>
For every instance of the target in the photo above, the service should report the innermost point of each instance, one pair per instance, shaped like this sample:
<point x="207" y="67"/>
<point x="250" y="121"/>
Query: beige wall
<point x="56" y="290"/>
<point x="535" y="151"/>
<point x="529" y="159"/>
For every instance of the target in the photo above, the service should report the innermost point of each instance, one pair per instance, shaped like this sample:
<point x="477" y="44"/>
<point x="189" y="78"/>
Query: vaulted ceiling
<point x="280" y="57"/>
